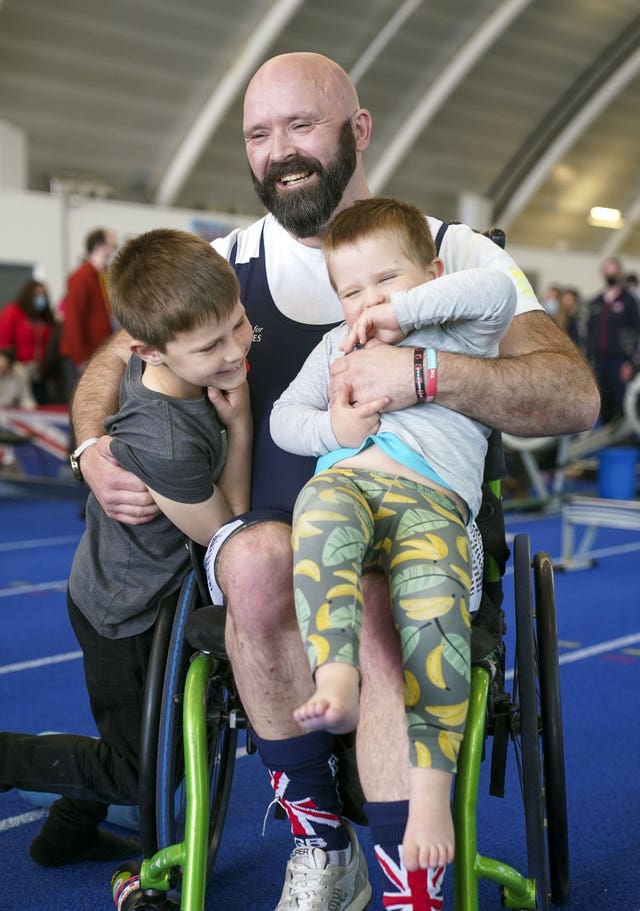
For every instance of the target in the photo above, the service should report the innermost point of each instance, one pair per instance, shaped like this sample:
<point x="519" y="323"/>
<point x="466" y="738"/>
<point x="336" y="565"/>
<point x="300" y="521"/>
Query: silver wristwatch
<point x="74" y="458"/>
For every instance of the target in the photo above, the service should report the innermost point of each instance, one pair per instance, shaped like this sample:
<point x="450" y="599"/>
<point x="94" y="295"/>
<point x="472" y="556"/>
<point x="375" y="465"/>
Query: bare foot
<point x="429" y="839"/>
<point x="334" y="705"/>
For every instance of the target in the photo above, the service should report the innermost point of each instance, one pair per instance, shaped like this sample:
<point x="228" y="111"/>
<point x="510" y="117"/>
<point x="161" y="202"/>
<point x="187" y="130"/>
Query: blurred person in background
<point x="613" y="338"/>
<point x="571" y="316"/>
<point x="15" y="387"/>
<point x="27" y="325"/>
<point x="87" y="319"/>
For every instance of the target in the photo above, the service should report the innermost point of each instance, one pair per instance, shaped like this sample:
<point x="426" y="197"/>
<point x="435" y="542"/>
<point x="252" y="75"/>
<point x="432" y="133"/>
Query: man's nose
<point x="282" y="146"/>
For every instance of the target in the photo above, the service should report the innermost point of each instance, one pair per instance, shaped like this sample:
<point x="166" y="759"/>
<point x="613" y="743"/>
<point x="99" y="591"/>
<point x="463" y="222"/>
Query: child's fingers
<point x="369" y="408"/>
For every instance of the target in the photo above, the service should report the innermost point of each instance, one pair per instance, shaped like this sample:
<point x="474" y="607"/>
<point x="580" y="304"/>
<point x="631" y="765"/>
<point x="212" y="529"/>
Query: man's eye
<point x="301" y="126"/>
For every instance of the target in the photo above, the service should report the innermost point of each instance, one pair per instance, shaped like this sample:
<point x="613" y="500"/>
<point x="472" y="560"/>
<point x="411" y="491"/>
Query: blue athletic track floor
<point x="41" y="688"/>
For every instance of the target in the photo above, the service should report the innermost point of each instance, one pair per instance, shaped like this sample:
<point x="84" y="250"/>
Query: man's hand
<point x="352" y="424"/>
<point x="121" y="494"/>
<point x="376" y="372"/>
<point x="377" y="322"/>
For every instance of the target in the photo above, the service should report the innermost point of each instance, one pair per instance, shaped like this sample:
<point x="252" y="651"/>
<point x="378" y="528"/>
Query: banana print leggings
<point x="348" y="521"/>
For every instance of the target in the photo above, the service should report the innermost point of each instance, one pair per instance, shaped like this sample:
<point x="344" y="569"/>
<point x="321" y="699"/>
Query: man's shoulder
<point x="244" y="239"/>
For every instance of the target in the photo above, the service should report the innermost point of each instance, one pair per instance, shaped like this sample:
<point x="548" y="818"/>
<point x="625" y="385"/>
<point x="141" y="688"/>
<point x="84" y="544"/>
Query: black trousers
<point x="91" y="773"/>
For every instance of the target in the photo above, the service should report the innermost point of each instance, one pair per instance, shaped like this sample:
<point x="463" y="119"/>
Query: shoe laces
<point x="307" y="877"/>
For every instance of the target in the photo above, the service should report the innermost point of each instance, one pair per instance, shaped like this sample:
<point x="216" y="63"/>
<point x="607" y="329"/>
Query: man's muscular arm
<point x="122" y="496"/>
<point x="539" y="386"/>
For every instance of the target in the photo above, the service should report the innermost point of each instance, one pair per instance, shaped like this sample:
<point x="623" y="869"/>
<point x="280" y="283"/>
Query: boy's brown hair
<point x="165" y="281"/>
<point x="382" y="214"/>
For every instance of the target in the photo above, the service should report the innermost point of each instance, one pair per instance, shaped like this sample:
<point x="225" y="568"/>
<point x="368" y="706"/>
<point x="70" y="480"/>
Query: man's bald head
<point x="316" y="75"/>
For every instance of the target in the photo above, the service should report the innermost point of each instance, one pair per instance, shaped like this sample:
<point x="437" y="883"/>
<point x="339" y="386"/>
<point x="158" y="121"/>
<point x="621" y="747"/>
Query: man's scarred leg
<point x="271" y="670"/>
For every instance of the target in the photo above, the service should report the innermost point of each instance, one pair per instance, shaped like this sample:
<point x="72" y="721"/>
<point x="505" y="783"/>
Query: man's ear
<point x="362" y="128"/>
<point x="147" y="353"/>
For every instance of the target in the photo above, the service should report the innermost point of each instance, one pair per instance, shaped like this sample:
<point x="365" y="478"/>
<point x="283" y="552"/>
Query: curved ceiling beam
<point x="382" y="39"/>
<point x="220" y="99"/>
<point x="591" y="93"/>
<point x="441" y="89"/>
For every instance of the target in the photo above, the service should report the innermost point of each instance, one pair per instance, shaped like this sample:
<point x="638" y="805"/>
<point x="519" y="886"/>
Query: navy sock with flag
<point x="303" y="772"/>
<point x="404" y="890"/>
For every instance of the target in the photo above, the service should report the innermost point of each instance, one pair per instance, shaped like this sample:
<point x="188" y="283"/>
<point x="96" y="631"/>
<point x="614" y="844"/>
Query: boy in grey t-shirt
<point x="183" y="426"/>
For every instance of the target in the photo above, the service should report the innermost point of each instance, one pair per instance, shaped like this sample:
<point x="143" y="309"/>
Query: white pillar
<point x="13" y="157"/>
<point x="475" y="210"/>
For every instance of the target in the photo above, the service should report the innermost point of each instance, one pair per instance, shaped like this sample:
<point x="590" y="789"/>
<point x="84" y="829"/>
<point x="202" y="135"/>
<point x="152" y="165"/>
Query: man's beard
<point x="304" y="212"/>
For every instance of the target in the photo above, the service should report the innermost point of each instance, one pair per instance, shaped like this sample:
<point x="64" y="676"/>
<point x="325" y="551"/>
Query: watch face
<point x="75" y="467"/>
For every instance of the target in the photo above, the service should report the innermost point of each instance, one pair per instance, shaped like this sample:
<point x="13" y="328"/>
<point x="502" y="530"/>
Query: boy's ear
<point x="146" y="353"/>
<point x="437" y="265"/>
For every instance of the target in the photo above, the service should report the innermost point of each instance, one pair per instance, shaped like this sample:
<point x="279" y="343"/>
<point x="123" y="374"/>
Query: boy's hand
<point x="379" y="322"/>
<point x="352" y="424"/>
<point x="232" y="405"/>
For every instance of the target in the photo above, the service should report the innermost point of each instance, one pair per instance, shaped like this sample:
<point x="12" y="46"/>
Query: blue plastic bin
<point x="617" y="473"/>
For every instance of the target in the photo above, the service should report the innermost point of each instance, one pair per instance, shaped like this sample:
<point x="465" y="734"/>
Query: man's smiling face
<point x="300" y="146"/>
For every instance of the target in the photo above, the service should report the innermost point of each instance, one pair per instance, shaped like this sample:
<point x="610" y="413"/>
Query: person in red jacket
<point x="27" y="326"/>
<point x="87" y="317"/>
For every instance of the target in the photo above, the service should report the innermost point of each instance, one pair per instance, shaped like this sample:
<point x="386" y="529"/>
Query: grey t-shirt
<point x="120" y="572"/>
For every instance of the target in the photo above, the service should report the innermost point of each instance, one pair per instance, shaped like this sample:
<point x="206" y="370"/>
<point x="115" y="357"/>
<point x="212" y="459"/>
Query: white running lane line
<point x="39" y="542"/>
<point x="579" y="654"/>
<point x="39" y="662"/>
<point x="13" y="822"/>
<point x="25" y="589"/>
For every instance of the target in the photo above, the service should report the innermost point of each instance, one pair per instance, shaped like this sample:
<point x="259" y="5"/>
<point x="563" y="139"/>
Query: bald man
<point x="305" y="133"/>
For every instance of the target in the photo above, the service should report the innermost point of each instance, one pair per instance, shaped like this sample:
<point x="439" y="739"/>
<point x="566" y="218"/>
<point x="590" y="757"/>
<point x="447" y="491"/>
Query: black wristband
<point x="418" y="374"/>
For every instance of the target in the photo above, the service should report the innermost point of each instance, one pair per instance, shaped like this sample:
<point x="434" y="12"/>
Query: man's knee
<point x="254" y="570"/>
<point x="259" y="551"/>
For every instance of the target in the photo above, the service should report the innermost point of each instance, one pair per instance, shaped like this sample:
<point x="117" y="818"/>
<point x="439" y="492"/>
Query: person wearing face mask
<point x="27" y="326"/>
<point x="613" y="338"/>
<point x="87" y="314"/>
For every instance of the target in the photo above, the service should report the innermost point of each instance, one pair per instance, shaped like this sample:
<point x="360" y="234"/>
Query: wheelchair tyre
<point x="221" y="738"/>
<point x="552" y="735"/>
<point x="526" y="737"/>
<point x="151" y="710"/>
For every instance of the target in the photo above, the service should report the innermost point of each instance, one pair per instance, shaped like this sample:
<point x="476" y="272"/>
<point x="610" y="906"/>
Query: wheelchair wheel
<point x="552" y="737"/>
<point x="526" y="732"/>
<point x="150" y="722"/>
<point x="221" y="737"/>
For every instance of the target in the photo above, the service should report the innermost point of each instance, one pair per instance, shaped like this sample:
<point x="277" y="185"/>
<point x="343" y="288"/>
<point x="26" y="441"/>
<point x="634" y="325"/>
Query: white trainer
<point x="312" y="884"/>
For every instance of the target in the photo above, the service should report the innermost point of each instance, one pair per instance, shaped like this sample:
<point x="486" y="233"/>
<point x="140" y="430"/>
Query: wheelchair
<point x="192" y="716"/>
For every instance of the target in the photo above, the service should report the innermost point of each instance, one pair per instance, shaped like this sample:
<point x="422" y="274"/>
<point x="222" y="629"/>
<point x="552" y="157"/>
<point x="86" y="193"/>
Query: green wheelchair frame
<point x="205" y="715"/>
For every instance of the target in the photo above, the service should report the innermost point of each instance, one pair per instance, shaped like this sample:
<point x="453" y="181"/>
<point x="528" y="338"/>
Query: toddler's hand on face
<point x="377" y="322"/>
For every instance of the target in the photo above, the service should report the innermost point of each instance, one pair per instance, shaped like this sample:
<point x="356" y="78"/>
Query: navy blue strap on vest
<point x="438" y="238"/>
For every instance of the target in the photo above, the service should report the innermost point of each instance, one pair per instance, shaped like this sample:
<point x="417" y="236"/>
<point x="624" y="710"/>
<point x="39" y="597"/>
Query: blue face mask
<point x="40" y="302"/>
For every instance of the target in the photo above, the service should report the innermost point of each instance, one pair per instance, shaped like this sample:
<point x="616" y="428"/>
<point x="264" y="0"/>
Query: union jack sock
<point x="404" y="890"/>
<point x="303" y="774"/>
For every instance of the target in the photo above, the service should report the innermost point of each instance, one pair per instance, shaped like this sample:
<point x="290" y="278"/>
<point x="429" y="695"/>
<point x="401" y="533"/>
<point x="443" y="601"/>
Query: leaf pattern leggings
<point x="348" y="521"/>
